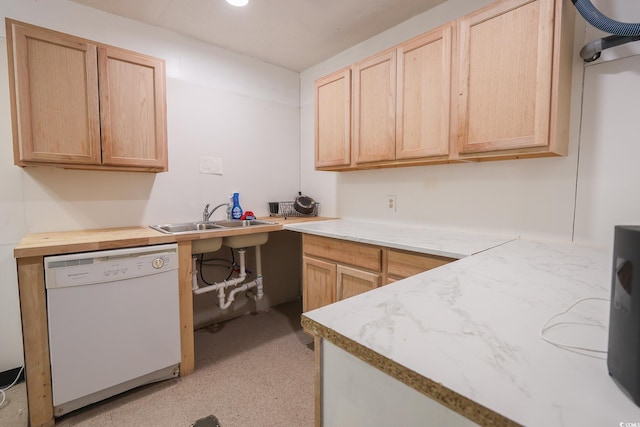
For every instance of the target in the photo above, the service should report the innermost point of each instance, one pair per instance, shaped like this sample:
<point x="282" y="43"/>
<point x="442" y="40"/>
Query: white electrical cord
<point x="569" y="347"/>
<point x="3" y="390"/>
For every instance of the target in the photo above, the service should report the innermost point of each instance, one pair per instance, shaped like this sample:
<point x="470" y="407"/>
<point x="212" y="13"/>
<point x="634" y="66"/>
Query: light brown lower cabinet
<point x="335" y="269"/>
<point x="323" y="276"/>
<point x="351" y="281"/>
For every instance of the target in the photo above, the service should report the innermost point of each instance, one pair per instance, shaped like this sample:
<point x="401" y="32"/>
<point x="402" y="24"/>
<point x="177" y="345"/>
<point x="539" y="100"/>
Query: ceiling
<point x="294" y="34"/>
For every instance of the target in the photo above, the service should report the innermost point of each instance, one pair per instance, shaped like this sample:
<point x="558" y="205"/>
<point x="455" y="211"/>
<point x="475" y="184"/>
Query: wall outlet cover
<point x="391" y="203"/>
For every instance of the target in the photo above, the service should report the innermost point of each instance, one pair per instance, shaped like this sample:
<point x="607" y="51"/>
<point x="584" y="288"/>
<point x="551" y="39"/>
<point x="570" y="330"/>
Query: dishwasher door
<point x="114" y="322"/>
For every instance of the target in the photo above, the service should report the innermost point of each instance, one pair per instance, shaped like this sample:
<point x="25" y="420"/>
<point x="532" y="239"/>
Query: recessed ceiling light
<point x="238" y="2"/>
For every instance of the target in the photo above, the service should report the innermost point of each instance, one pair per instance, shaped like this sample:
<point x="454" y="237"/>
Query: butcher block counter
<point x="30" y="253"/>
<point x="63" y="242"/>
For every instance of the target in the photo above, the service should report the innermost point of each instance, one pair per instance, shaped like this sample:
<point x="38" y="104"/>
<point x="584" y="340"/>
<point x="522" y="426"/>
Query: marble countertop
<point x="472" y="328"/>
<point x="433" y="241"/>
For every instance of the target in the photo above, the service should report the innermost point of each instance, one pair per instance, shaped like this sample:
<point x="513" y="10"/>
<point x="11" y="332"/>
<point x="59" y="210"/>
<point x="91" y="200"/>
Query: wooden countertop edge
<point x="452" y="400"/>
<point x="64" y="242"/>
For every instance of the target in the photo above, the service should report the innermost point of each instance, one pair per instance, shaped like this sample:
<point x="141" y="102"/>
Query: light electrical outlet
<point x="391" y="203"/>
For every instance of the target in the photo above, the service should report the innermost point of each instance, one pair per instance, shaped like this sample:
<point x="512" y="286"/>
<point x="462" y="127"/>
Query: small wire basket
<point x="286" y="209"/>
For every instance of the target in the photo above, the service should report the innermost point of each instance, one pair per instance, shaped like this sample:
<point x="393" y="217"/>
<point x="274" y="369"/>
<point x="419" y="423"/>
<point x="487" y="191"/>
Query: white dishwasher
<point x="114" y="322"/>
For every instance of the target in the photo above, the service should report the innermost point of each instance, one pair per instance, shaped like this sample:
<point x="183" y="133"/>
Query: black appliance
<point x="623" y="357"/>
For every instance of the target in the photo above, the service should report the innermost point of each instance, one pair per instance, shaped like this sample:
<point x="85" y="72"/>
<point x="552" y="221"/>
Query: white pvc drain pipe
<point x="223" y="301"/>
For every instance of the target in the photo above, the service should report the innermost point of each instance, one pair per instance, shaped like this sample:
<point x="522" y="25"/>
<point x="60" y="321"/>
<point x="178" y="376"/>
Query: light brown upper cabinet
<point x="494" y="84"/>
<point x="333" y="120"/>
<point x="514" y="79"/>
<point x="400" y="105"/>
<point x="424" y="93"/>
<point x="374" y="108"/>
<point x="84" y="105"/>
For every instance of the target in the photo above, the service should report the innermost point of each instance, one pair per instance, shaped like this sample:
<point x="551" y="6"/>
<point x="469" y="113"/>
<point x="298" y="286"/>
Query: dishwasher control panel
<point x="98" y="267"/>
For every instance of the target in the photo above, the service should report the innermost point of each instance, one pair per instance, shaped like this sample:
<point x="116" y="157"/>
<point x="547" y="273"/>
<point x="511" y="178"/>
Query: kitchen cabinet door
<point x="318" y="283"/>
<point x="333" y="120"/>
<point x="352" y="281"/>
<point x="54" y="96"/>
<point x="374" y="109"/>
<point x="132" y="106"/>
<point x="508" y="88"/>
<point x="84" y="105"/>
<point x="424" y="93"/>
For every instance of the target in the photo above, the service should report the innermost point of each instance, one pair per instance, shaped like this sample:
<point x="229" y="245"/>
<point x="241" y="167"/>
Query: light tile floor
<point x="256" y="370"/>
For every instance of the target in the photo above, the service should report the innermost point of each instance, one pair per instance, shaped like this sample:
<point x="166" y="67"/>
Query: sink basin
<point x="239" y="223"/>
<point x="201" y="226"/>
<point x="205" y="246"/>
<point x="245" y="240"/>
<point x="187" y="227"/>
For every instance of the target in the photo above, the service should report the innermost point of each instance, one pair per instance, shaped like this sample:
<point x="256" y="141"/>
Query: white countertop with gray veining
<point x="434" y="241"/>
<point x="474" y="326"/>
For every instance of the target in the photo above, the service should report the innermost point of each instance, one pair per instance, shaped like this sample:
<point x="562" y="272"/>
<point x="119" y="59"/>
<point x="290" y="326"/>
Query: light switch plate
<point x="211" y="165"/>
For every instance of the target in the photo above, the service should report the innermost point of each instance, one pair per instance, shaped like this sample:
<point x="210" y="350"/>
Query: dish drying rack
<point x="286" y="209"/>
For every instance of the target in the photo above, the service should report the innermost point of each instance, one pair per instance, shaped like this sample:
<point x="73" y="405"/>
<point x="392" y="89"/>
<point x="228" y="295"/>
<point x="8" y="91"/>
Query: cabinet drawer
<point x="344" y="252"/>
<point x="406" y="264"/>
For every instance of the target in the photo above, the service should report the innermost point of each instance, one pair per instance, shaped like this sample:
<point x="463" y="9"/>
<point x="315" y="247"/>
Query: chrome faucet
<point x="206" y="214"/>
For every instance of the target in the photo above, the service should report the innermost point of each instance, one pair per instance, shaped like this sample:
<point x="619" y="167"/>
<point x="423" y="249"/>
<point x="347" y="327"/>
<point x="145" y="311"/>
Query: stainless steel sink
<point x="187" y="227"/>
<point x="202" y="226"/>
<point x="239" y="223"/>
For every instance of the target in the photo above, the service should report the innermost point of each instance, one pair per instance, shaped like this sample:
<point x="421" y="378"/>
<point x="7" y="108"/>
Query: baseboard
<point x="7" y="377"/>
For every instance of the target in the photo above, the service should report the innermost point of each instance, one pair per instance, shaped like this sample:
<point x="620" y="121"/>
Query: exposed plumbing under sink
<point x="225" y="301"/>
<point x="239" y="242"/>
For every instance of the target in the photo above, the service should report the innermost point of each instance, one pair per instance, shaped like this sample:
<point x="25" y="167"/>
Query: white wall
<point x="11" y="231"/>
<point x="578" y="197"/>
<point x="609" y="150"/>
<point x="219" y="104"/>
<point x="607" y="184"/>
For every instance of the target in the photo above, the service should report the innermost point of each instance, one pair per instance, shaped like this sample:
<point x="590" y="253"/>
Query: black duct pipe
<point x="621" y="32"/>
<point x="591" y="51"/>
